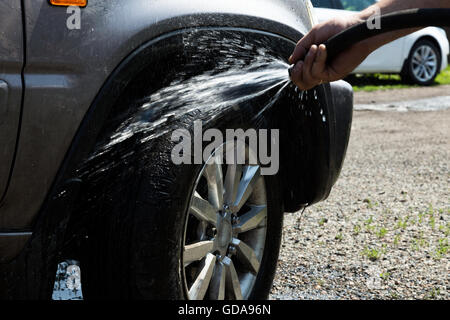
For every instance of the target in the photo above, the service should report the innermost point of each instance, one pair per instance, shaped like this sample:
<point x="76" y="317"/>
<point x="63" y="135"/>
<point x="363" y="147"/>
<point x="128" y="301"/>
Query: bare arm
<point x="310" y="54"/>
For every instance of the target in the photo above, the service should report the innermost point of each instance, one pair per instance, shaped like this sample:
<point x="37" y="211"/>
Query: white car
<point x="418" y="57"/>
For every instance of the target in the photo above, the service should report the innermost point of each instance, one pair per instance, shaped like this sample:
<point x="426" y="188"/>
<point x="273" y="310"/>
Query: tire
<point x="422" y="74"/>
<point x="136" y="239"/>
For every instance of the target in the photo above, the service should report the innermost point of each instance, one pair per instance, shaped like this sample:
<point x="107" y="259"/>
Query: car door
<point x="11" y="63"/>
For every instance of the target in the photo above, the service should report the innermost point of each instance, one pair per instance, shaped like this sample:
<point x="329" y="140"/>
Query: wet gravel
<point x="384" y="231"/>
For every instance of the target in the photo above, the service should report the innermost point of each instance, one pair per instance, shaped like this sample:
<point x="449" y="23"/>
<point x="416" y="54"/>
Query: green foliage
<point x="356" y="229"/>
<point x="372" y="254"/>
<point x="323" y="221"/>
<point x="433" y="294"/>
<point x="381" y="232"/>
<point x="442" y="248"/>
<point x="402" y="223"/>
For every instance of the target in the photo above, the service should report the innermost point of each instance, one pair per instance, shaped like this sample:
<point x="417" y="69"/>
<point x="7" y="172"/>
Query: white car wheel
<point x="423" y="64"/>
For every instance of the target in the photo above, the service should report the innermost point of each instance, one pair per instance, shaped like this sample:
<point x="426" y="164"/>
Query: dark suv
<point x="79" y="180"/>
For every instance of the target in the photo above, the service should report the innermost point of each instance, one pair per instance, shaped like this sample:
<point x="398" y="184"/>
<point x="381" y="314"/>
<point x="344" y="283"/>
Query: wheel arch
<point x="420" y="38"/>
<point x="433" y="40"/>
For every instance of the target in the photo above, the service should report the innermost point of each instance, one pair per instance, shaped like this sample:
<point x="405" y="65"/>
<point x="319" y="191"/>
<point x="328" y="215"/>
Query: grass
<point x="433" y="294"/>
<point x="385" y="276"/>
<point x="442" y="249"/>
<point x="357" y="229"/>
<point x="323" y="221"/>
<point x="374" y="82"/>
<point x="381" y="232"/>
<point x="397" y="240"/>
<point x="373" y="254"/>
<point x="402" y="223"/>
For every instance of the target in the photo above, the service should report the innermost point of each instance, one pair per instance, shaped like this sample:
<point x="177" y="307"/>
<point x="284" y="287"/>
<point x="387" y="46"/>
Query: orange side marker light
<point x="67" y="3"/>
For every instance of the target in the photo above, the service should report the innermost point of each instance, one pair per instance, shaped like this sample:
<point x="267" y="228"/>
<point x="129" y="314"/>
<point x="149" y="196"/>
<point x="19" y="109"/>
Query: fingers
<point x="319" y="65"/>
<point x="313" y="71"/>
<point x="307" y="68"/>
<point x="296" y="73"/>
<point x="301" y="49"/>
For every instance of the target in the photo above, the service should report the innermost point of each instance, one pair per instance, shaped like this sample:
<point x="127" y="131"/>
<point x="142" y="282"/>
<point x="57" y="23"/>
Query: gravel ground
<point x="384" y="231"/>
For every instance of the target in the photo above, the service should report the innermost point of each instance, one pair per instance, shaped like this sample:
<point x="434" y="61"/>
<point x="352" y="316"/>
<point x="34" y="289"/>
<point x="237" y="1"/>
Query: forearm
<point x="387" y="6"/>
<point x="310" y="57"/>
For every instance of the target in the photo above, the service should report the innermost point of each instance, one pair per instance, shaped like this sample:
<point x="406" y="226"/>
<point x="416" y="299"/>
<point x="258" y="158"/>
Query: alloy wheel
<point x="225" y="229"/>
<point x="424" y="63"/>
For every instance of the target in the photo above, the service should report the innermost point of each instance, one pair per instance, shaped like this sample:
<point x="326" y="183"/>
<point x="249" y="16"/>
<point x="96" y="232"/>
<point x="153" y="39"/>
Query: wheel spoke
<point x="201" y="284"/>
<point x="425" y="51"/>
<point x="427" y="74"/>
<point x="232" y="180"/>
<point x="197" y="251"/>
<point x="421" y="72"/>
<point x="232" y="283"/>
<point x="250" y="176"/>
<point x="417" y="57"/>
<point x="213" y="175"/>
<point x="217" y="286"/>
<point x="246" y="256"/>
<point x="251" y="219"/>
<point x="203" y="210"/>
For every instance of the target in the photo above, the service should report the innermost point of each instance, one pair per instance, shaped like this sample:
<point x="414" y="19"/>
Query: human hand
<point x="310" y="55"/>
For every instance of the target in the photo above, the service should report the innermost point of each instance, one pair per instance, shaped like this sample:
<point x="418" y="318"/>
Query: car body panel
<point x="391" y="57"/>
<point x="11" y="63"/>
<point x="66" y="68"/>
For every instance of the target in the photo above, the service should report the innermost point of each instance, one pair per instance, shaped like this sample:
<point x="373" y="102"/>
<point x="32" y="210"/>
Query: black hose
<point x="405" y="19"/>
